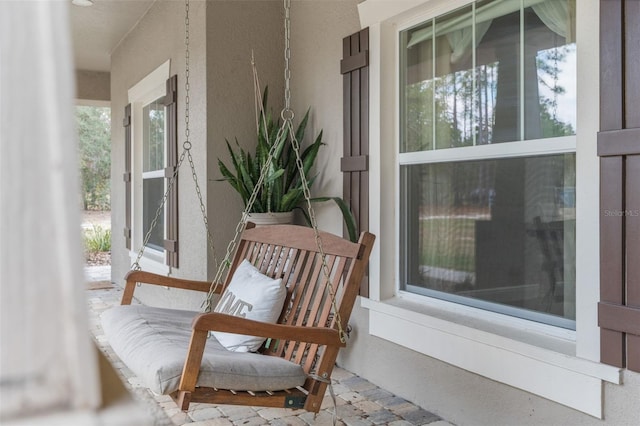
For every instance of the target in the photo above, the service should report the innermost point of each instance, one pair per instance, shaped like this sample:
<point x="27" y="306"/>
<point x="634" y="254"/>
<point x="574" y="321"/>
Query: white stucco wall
<point x="234" y="30"/>
<point x="465" y="398"/>
<point x="159" y="36"/>
<point x="317" y="30"/>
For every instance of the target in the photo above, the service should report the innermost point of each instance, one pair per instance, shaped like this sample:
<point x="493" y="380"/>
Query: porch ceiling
<point x="98" y="29"/>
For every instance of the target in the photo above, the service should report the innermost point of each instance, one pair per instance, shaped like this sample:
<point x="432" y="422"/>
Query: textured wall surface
<point x="159" y="36"/>
<point x="317" y="30"/>
<point x="93" y="86"/>
<point x="234" y="31"/>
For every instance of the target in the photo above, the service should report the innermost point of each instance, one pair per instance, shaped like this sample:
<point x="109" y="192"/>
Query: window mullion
<point x="433" y="87"/>
<point x="521" y="74"/>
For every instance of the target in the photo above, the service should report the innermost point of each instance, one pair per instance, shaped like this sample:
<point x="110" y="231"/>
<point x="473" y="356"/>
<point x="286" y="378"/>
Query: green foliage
<point x="97" y="239"/>
<point x="281" y="190"/>
<point x="347" y="215"/>
<point x="94" y="135"/>
<point x="282" y="187"/>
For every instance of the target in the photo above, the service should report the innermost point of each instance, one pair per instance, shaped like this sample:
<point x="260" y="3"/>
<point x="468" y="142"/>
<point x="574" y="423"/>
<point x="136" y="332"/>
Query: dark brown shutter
<point x="619" y="151"/>
<point x="171" y="220"/>
<point x="355" y="163"/>
<point x="126" y="122"/>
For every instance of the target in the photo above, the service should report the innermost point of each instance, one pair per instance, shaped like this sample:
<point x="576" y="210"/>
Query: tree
<point x="94" y="135"/>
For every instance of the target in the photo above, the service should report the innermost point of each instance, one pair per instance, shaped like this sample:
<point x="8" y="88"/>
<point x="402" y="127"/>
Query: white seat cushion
<point x="153" y="343"/>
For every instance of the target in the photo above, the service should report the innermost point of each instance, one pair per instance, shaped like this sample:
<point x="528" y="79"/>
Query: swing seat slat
<point x="291" y="369"/>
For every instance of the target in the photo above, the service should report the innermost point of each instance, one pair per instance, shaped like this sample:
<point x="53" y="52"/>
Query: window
<point x="413" y="176"/>
<point x="486" y="161"/>
<point x="151" y="160"/>
<point x="153" y="157"/>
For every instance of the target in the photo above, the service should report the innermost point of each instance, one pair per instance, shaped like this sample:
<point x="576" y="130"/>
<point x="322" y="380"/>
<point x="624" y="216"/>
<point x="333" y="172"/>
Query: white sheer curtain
<point x="47" y="360"/>
<point x="461" y="40"/>
<point x="558" y="17"/>
<point x="555" y="14"/>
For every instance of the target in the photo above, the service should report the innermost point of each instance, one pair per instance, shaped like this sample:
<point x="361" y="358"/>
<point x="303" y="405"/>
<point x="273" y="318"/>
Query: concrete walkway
<point x="359" y="402"/>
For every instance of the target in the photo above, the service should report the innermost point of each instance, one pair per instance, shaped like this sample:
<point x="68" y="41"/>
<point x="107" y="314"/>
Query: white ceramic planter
<point x="262" y="219"/>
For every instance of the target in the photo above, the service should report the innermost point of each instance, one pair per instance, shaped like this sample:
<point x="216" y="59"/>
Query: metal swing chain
<point x="186" y="152"/>
<point x="287" y="116"/>
<point x="231" y="247"/>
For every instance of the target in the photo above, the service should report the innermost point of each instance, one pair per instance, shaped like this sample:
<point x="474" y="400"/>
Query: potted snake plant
<point x="281" y="192"/>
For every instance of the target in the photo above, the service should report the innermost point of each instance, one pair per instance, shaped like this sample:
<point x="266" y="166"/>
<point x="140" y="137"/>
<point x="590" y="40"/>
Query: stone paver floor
<point x="359" y="402"/>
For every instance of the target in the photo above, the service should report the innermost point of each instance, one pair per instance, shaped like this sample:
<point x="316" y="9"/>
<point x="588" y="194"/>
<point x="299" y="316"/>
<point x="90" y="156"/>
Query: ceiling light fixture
<point x="82" y="2"/>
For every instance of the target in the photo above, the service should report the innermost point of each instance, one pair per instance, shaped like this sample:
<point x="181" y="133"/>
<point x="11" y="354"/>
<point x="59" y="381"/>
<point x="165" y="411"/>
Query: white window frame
<point x="147" y="90"/>
<point x="514" y="351"/>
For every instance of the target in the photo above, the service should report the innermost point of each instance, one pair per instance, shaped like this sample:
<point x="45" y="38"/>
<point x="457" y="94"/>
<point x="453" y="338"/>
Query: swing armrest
<point x="239" y="325"/>
<point x="204" y="323"/>
<point x="134" y="277"/>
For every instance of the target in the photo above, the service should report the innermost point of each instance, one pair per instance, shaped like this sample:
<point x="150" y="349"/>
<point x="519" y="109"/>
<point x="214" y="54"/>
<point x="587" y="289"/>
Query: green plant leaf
<point x="347" y="215"/>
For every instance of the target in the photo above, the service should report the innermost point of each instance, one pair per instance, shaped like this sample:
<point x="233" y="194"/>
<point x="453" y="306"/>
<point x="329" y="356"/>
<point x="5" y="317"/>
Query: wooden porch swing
<point x="285" y="361"/>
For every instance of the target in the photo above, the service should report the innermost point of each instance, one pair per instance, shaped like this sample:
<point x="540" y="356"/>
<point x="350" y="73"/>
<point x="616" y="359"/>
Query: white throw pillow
<point x="250" y="295"/>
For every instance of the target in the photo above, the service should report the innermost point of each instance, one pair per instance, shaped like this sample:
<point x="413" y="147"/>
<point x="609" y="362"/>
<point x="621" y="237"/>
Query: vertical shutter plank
<point x="346" y="108"/>
<point x="632" y="63"/>
<point x="632" y="239"/>
<point x="611" y="254"/>
<point x="355" y="126"/>
<point x="632" y="172"/>
<point x="611" y="99"/>
<point x="632" y="229"/>
<point x="364" y="133"/>
<point x="633" y="352"/>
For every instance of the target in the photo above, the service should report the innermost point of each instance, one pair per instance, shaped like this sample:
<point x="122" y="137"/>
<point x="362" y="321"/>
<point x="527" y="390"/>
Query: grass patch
<point x="97" y="239"/>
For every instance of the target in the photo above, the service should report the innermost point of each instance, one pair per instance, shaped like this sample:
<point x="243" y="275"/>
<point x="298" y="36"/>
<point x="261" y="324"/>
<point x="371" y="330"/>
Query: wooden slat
<point x="354" y="62"/>
<point x="611" y="235"/>
<point x="612" y="347"/>
<point x="221" y="396"/>
<point x="632" y="64"/>
<point x="632" y="239"/>
<point x="632" y="229"/>
<point x="354" y="164"/>
<point x="303" y="238"/>
<point x="346" y="122"/>
<point x="633" y="352"/>
<point x="620" y="318"/>
<point x="232" y="324"/>
<point x="337" y="271"/>
<point x="134" y="277"/>
<point x="611" y="63"/>
<point x="619" y="142"/>
<point x="363" y="218"/>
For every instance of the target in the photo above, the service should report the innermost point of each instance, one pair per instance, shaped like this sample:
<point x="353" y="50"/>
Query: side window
<point x="150" y="162"/>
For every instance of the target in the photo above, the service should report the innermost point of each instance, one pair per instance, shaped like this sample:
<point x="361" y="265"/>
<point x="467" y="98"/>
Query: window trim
<point x="447" y="327"/>
<point x="150" y="88"/>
